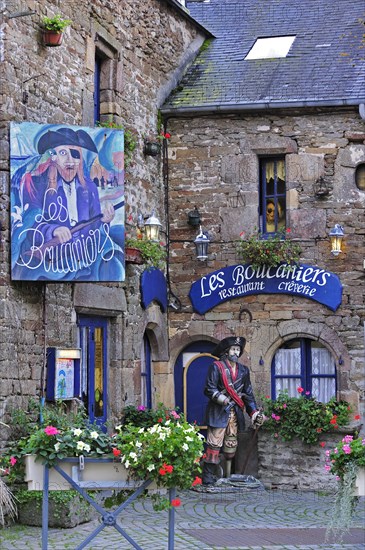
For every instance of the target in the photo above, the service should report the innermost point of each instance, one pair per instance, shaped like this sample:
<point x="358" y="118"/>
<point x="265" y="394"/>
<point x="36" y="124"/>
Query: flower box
<point x="96" y="473"/>
<point x="359" y="489"/>
<point x="34" y="475"/>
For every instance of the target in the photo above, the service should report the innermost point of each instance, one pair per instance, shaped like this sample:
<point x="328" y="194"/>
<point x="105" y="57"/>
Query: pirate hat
<point x="65" y="136"/>
<point x="226" y="343"/>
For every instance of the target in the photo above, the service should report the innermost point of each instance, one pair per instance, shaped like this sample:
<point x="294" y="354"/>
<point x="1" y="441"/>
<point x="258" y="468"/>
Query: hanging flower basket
<point x="152" y="148"/>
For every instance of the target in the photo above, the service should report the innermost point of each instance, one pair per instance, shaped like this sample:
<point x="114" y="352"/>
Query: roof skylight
<point x="268" y="48"/>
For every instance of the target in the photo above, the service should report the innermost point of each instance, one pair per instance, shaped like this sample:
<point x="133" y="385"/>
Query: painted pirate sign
<point x="67" y="203"/>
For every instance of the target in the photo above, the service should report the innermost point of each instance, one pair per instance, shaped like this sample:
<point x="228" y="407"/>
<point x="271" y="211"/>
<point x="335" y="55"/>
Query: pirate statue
<point x="230" y="392"/>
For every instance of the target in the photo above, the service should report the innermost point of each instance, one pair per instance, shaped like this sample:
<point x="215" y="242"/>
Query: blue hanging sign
<point x="243" y="280"/>
<point x="153" y="288"/>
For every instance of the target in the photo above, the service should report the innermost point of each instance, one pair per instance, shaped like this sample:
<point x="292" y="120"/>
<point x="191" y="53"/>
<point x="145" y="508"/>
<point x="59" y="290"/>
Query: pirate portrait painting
<point x="64" y="225"/>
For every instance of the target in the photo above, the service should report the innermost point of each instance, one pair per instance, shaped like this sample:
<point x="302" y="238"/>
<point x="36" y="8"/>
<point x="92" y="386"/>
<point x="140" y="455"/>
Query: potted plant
<point x="152" y="143"/>
<point x="143" y="251"/>
<point x="52" y="30"/>
<point x="168" y="452"/>
<point x="270" y="251"/>
<point x="347" y="462"/>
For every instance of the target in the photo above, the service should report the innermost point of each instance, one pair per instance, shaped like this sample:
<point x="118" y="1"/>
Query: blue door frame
<point x="93" y="343"/>
<point x="189" y="378"/>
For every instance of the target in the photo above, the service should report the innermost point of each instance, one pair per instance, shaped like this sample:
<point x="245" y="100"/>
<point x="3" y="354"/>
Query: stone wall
<point x="294" y="464"/>
<point x="213" y="165"/>
<point x="150" y="42"/>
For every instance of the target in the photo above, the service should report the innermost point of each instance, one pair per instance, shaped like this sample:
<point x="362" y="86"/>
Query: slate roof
<point x="325" y="65"/>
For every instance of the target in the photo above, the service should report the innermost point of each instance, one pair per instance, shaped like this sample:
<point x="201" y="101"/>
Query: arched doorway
<point x="190" y="372"/>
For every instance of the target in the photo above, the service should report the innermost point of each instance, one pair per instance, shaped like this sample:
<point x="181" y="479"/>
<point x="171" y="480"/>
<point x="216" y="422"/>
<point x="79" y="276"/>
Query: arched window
<point x="304" y="363"/>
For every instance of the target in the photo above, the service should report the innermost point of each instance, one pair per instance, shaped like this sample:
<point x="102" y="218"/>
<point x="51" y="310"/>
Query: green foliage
<point x="303" y="416"/>
<point x="168" y="452"/>
<point x="51" y="444"/>
<point x="61" y="434"/>
<point x="344" y="506"/>
<point x="268" y="251"/>
<point x="153" y="254"/>
<point x="347" y="451"/>
<point x="56" y="23"/>
<point x="144" y="417"/>
<point x="130" y="139"/>
<point x="61" y="501"/>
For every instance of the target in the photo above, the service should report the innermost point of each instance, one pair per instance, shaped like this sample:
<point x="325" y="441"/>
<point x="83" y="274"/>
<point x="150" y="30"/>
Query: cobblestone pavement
<point x="256" y="519"/>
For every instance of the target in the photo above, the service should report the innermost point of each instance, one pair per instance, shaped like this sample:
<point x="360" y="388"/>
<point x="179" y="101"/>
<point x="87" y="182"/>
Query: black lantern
<point x="201" y="243"/>
<point x="336" y="235"/>
<point x="194" y="217"/>
<point x="152" y="228"/>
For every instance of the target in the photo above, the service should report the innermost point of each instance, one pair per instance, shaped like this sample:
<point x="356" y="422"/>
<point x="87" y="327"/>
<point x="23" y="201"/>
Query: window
<point x="272" y="208"/>
<point x="107" y="65"/>
<point x="97" y="76"/>
<point x="93" y="343"/>
<point x="146" y="390"/>
<point x="305" y="363"/>
<point x="269" y="48"/>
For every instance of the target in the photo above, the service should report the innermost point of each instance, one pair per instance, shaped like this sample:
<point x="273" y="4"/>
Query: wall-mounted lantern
<point x="194" y="218"/>
<point x="336" y="235"/>
<point x="152" y="228"/>
<point x="202" y="243"/>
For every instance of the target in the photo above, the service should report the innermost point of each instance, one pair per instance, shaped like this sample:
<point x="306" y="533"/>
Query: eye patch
<point x="75" y="154"/>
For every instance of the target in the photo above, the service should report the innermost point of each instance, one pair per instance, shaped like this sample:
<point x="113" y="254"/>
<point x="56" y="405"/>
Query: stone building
<point x="254" y="131"/>
<point x="117" y="62"/>
<point x="248" y="129"/>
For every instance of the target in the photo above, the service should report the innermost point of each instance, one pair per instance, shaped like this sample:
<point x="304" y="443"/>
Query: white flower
<point x="141" y="431"/>
<point x="163" y="436"/>
<point x="151" y="467"/>
<point x="127" y="463"/>
<point x="57" y="447"/>
<point x="133" y="455"/>
<point x="80" y="446"/>
<point x="160" y="455"/>
<point x="118" y="427"/>
<point x="94" y="435"/>
<point x="185" y="447"/>
<point x="87" y="448"/>
<point x="188" y="438"/>
<point x="77" y="431"/>
<point x="138" y="444"/>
